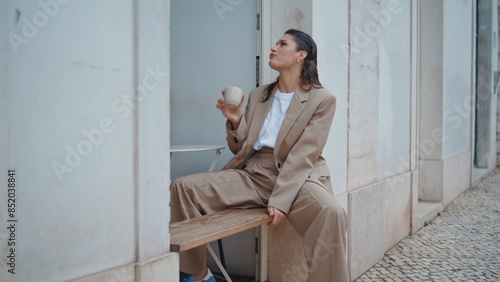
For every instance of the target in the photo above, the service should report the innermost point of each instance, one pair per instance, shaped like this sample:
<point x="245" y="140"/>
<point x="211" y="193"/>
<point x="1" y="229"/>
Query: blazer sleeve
<point x="303" y="155"/>
<point x="236" y="138"/>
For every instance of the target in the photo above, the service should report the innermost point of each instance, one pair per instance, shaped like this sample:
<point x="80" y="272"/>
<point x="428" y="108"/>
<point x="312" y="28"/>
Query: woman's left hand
<point x="277" y="215"/>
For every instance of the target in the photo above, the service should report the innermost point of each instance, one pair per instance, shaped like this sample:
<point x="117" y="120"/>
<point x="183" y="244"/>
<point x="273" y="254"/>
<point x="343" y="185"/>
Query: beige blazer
<point x="299" y="145"/>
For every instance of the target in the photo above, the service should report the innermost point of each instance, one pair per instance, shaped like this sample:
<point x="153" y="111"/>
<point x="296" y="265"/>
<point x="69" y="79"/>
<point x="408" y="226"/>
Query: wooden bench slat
<point x="191" y="233"/>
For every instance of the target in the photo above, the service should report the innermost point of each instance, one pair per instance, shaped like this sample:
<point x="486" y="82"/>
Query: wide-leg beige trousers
<point x="315" y="214"/>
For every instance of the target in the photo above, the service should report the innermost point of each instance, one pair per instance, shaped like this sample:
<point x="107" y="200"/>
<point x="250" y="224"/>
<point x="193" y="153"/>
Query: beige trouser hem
<point x="315" y="214"/>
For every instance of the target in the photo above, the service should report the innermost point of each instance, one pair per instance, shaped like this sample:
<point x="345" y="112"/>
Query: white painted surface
<point x="431" y="101"/>
<point x="494" y="67"/>
<point x="68" y="104"/>
<point x="60" y="83"/>
<point x="431" y="180"/>
<point x="332" y="68"/>
<point x="430" y="96"/>
<point x="414" y="200"/>
<point x="363" y="96"/>
<point x="484" y="115"/>
<point x="366" y="227"/>
<point x="152" y="119"/>
<point x="124" y="273"/>
<point x="457" y="68"/>
<point x="291" y="14"/>
<point x="397" y="215"/>
<point x="4" y="163"/>
<point x="394" y="91"/>
<point x="457" y="176"/>
<point x="164" y="269"/>
<point x="414" y="85"/>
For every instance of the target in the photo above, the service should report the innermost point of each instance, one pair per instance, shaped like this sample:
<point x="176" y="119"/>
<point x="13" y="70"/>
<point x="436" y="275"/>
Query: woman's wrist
<point x="235" y="123"/>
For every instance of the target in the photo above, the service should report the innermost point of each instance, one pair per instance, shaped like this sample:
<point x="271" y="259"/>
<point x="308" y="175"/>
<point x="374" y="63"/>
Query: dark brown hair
<point x="309" y="73"/>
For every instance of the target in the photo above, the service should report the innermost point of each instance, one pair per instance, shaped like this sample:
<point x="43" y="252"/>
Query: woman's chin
<point x="273" y="66"/>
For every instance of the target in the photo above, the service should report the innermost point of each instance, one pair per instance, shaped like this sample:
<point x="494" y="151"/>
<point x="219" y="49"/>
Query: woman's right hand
<point x="232" y="114"/>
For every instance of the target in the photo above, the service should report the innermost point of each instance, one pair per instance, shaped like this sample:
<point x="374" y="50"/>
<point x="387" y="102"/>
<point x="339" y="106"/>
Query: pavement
<point x="460" y="244"/>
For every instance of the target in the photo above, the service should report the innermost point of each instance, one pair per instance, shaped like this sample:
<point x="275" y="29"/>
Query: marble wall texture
<point x="407" y="75"/>
<point x="85" y="125"/>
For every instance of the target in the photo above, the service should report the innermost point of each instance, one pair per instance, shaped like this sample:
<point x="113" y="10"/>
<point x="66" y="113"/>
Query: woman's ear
<point x="302" y="55"/>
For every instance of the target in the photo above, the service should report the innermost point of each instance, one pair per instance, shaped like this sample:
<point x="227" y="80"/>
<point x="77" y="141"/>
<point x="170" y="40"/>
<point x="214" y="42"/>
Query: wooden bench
<point x="191" y="233"/>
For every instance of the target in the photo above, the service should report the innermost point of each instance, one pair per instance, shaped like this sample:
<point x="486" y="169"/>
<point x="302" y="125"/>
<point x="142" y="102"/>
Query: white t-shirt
<point x="269" y="131"/>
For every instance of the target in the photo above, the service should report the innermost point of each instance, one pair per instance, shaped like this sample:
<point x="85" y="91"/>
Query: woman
<point x="278" y="164"/>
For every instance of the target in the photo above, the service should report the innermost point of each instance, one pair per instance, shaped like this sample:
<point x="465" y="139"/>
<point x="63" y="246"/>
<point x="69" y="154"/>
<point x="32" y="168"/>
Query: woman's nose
<point x="273" y="49"/>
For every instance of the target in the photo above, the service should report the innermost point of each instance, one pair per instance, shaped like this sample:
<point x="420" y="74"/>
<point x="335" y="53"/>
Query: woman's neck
<point x="289" y="81"/>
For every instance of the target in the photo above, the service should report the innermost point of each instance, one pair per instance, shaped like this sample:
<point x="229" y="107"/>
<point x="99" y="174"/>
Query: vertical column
<point x="431" y="100"/>
<point x="152" y="141"/>
<point x="330" y="31"/>
<point x="415" y="67"/>
<point x="486" y="49"/>
<point x="498" y="99"/>
<point x="4" y="46"/>
<point x="4" y="275"/>
<point x="366" y="199"/>
<point x="364" y="76"/>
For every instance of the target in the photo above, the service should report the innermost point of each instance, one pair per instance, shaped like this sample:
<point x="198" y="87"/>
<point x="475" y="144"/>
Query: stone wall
<point x="498" y="101"/>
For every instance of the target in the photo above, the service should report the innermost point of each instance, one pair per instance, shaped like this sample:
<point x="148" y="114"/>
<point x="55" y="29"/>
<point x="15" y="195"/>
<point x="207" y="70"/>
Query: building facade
<point x="93" y="93"/>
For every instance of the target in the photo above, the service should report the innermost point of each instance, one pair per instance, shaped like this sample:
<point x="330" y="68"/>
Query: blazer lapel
<point x="294" y="110"/>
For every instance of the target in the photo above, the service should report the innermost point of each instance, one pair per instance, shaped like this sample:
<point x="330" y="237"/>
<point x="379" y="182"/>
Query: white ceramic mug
<point x="232" y="96"/>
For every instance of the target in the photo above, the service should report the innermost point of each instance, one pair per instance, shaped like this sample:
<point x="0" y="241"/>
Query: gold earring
<point x="298" y="60"/>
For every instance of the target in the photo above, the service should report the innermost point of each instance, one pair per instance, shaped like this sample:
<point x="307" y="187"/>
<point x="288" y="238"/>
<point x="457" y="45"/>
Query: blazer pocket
<point x="321" y="176"/>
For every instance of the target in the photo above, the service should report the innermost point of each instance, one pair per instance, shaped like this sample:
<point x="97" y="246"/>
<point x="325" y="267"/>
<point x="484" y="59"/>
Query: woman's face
<point x="284" y="54"/>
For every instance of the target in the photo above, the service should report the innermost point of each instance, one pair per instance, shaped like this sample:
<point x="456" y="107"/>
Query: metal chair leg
<point x="219" y="264"/>
<point x="221" y="253"/>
